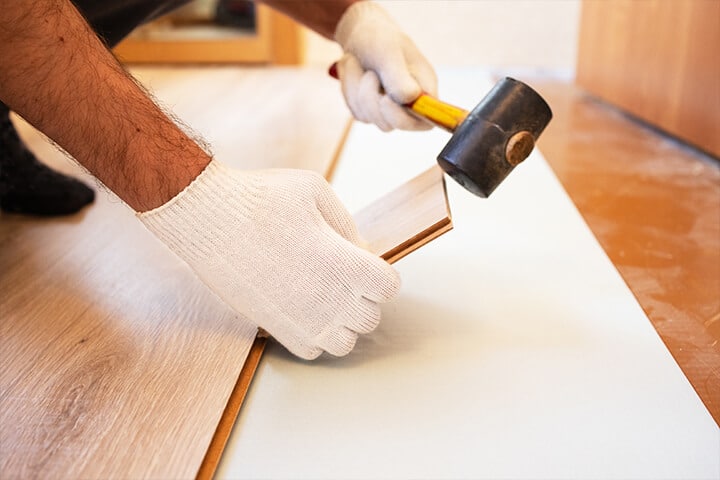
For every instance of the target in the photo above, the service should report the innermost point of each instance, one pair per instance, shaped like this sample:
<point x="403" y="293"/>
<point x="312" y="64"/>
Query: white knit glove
<point x="382" y="68"/>
<point x="280" y="248"/>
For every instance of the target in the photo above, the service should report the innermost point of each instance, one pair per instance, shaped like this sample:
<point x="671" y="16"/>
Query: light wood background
<point x="658" y="60"/>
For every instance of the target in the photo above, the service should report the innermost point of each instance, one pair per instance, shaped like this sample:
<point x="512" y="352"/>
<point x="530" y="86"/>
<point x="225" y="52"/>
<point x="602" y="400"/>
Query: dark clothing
<point x="113" y="20"/>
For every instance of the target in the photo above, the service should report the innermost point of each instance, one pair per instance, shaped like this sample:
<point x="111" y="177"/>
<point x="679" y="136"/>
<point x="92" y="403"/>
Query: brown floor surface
<point x="654" y="205"/>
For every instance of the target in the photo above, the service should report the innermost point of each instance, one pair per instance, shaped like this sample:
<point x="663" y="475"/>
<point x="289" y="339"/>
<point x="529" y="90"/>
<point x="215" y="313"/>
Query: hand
<point x="280" y="248"/>
<point x="382" y="69"/>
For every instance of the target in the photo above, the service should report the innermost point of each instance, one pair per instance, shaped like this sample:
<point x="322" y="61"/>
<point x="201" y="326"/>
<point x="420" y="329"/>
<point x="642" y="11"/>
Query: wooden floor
<point x="654" y="205"/>
<point x="77" y="291"/>
<point x="115" y="360"/>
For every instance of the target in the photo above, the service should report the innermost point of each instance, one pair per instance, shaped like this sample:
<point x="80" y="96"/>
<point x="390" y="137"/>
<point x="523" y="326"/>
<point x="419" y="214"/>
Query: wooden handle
<point x="439" y="113"/>
<point x="426" y="106"/>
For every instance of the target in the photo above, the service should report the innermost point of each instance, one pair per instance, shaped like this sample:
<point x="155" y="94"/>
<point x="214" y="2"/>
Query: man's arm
<point x="321" y="16"/>
<point x="276" y="245"/>
<point x="58" y="75"/>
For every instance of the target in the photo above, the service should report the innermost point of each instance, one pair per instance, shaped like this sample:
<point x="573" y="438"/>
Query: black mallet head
<point x="496" y="135"/>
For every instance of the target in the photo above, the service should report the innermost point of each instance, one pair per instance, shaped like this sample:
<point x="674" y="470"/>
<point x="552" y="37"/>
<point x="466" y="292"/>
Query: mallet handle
<point x="437" y="112"/>
<point x="426" y="106"/>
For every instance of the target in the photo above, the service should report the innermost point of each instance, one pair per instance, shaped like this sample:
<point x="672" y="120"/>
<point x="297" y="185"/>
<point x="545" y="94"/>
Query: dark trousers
<point x="113" y="20"/>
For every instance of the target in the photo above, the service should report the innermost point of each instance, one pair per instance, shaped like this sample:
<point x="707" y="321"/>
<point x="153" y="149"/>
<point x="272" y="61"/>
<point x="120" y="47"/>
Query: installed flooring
<point x="116" y="362"/>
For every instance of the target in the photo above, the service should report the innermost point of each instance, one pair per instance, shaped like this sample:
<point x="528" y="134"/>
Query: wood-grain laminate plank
<point x="408" y="217"/>
<point x="115" y="361"/>
<point x="115" y="358"/>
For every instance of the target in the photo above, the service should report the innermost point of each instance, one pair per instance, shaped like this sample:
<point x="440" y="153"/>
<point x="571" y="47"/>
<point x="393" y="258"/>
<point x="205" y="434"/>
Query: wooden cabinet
<point x="277" y="40"/>
<point x="658" y="60"/>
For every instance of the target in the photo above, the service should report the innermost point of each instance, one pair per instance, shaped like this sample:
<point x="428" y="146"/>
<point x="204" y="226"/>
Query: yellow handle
<point x="430" y="108"/>
<point x="440" y="113"/>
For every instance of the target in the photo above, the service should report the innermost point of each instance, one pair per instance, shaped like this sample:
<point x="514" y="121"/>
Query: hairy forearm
<point x="320" y="15"/>
<point x="59" y="76"/>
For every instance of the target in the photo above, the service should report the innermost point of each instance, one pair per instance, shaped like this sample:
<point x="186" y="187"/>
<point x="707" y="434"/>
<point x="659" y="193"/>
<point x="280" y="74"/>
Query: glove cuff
<point x="210" y="201"/>
<point x="362" y="11"/>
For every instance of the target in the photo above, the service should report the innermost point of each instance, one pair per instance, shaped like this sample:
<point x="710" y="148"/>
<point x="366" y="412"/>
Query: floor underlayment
<point x="514" y="350"/>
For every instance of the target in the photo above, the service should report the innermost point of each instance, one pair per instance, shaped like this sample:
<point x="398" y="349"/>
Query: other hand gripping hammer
<point x="493" y="138"/>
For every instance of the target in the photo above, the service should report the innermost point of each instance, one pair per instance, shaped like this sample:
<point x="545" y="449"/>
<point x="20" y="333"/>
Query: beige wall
<point x="535" y="35"/>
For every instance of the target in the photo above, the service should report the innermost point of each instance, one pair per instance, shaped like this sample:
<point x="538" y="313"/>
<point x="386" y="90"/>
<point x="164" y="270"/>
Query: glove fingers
<point x="382" y="110"/>
<point x="336" y="215"/>
<point x="422" y="71"/>
<point x="351" y="73"/>
<point x="397" y="80"/>
<point x="413" y="65"/>
<point x="337" y="341"/>
<point x="302" y="350"/>
<point x="380" y="281"/>
<point x="362" y="90"/>
<point x="371" y="277"/>
<point x="398" y="116"/>
<point x="368" y="318"/>
<point x="370" y="94"/>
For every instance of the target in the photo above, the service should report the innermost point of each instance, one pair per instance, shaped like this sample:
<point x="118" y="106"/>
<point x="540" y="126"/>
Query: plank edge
<point x="232" y="409"/>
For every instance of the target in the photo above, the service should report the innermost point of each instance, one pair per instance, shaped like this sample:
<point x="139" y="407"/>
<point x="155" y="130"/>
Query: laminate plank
<point x="109" y="347"/>
<point x="222" y="433"/>
<point x="115" y="361"/>
<point x="408" y="217"/>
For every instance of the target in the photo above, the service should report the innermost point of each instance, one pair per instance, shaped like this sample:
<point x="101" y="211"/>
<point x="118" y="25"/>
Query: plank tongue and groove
<point x="115" y="361"/>
<point x="406" y="218"/>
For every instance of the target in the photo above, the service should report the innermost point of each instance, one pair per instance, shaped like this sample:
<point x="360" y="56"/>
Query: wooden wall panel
<point x="658" y="60"/>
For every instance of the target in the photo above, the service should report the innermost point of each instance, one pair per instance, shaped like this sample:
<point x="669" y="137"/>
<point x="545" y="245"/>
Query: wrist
<point x="158" y="178"/>
<point x="203" y="195"/>
<point x="357" y="13"/>
<point x="192" y="221"/>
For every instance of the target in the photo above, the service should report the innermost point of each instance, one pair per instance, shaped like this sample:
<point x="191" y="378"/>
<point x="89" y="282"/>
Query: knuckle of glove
<point x="338" y="341"/>
<point x="369" y="318"/>
<point x="397" y="117"/>
<point x="310" y="184"/>
<point x="306" y="352"/>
